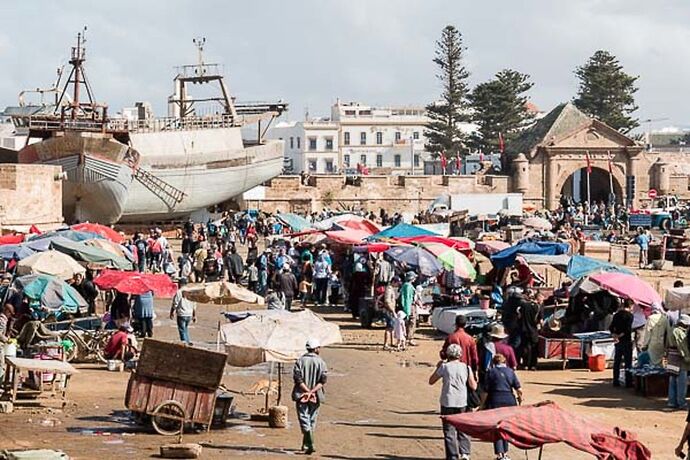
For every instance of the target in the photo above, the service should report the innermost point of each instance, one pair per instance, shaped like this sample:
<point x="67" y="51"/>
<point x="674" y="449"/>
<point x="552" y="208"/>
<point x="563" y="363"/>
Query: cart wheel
<point x="168" y="418"/>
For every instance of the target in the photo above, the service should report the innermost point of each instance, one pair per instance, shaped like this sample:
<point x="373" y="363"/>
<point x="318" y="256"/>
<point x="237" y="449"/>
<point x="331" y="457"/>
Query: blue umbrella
<point x="416" y="258"/>
<point x="15" y="251"/>
<point x="73" y="235"/>
<point x="53" y="293"/>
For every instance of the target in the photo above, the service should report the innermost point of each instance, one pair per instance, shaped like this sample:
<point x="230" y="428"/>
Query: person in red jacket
<point x="467" y="343"/>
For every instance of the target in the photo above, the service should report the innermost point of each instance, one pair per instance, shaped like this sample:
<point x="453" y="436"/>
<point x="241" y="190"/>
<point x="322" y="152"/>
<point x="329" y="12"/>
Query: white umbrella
<point x="50" y="263"/>
<point x="537" y="223"/>
<point x="221" y="293"/>
<point x="275" y="338"/>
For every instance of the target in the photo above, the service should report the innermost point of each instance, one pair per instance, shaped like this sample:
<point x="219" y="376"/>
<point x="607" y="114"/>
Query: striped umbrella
<point x="459" y="263"/>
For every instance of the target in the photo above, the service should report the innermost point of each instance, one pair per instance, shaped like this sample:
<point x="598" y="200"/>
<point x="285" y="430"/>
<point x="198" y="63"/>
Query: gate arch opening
<point x="603" y="186"/>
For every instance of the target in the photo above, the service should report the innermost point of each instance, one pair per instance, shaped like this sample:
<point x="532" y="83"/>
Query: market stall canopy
<point x="537" y="223"/>
<point x="560" y="261"/>
<point x="402" y="230"/>
<point x="295" y="222"/>
<point x="50" y="263"/>
<point x="629" y="287"/>
<point x="52" y="293"/>
<point x="69" y="234"/>
<point x="11" y="239"/>
<point x="344" y="221"/>
<point x="92" y="255"/>
<point x="220" y="293"/>
<point x="102" y="230"/>
<point x="275" y="338"/>
<point x="416" y="258"/>
<point x="458" y="245"/>
<point x="372" y="247"/>
<point x="136" y="283"/>
<point x="529" y="427"/>
<point x="348" y="236"/>
<point x="506" y="258"/>
<point x="489" y="247"/>
<point x="678" y="298"/>
<point x="580" y="266"/>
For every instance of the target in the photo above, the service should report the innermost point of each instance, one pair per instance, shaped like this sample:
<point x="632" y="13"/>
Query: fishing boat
<point x="138" y="168"/>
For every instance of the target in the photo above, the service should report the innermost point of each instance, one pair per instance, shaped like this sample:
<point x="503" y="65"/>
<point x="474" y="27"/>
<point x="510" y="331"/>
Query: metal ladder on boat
<point x="169" y="194"/>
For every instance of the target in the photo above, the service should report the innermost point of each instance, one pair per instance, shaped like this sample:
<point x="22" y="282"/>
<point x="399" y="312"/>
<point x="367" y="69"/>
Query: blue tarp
<point x="295" y="222"/>
<point x="506" y="258"/>
<point x="580" y="266"/>
<point x="401" y="231"/>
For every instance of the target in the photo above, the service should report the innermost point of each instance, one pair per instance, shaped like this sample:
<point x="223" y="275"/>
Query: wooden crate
<point x="181" y="364"/>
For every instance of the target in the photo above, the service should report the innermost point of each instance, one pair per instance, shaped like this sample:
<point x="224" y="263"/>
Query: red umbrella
<point x="629" y="287"/>
<point x="102" y="230"/>
<point x="136" y="283"/>
<point x="11" y="239"/>
<point x="528" y="427"/>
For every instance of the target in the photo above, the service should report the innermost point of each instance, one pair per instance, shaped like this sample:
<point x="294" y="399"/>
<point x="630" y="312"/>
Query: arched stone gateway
<point x="603" y="186"/>
<point x="562" y="143"/>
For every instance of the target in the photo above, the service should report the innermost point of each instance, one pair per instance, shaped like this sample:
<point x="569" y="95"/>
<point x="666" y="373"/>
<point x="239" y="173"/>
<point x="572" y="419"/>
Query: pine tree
<point x="606" y="92"/>
<point x="443" y="130"/>
<point x="499" y="106"/>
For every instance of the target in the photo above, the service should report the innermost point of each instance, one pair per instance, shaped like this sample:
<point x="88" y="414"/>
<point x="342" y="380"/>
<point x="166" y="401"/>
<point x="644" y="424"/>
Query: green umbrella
<point x="459" y="263"/>
<point x="52" y="293"/>
<point x="91" y="254"/>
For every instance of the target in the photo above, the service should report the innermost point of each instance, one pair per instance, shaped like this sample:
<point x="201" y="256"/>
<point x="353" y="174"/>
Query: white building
<point x="386" y="139"/>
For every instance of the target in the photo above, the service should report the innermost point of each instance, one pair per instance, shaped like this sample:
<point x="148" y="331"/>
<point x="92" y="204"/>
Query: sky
<point x="379" y="52"/>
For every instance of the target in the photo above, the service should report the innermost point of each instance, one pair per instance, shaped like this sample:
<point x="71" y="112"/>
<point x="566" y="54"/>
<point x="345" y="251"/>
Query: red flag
<point x="458" y="164"/>
<point x="501" y="143"/>
<point x="34" y="230"/>
<point x="444" y="162"/>
<point x="589" y="162"/>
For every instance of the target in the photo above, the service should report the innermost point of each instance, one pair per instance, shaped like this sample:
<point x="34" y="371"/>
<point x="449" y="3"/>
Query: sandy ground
<point x="379" y="406"/>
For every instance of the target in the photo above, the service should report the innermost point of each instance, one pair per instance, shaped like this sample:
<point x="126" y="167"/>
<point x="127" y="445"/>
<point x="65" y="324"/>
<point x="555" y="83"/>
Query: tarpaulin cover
<point x="136" y="283"/>
<point x="349" y="236"/>
<point x="11" y="239"/>
<point x="506" y="258"/>
<point x="295" y="222"/>
<point x="560" y="261"/>
<point x="458" y="245"/>
<point x="580" y="266"/>
<point x="529" y="427"/>
<point x="629" y="287"/>
<point x="488" y="247"/>
<point x="402" y="230"/>
<point x="104" y="231"/>
<point x="90" y="254"/>
<point x="678" y="298"/>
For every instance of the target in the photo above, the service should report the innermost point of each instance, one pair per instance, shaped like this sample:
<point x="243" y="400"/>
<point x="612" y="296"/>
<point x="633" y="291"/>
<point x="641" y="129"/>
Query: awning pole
<point x="541" y="450"/>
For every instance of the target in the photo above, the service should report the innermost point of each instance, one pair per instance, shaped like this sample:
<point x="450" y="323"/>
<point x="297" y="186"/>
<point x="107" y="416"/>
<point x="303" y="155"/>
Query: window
<point x="379" y="138"/>
<point x="312" y="165"/>
<point x="329" y="143"/>
<point x="396" y="160"/>
<point x="362" y="138"/>
<point x="346" y="138"/>
<point x="350" y="112"/>
<point x="312" y="143"/>
<point x="346" y="160"/>
<point x="398" y="135"/>
<point x="298" y="142"/>
<point x="329" y="166"/>
<point x="363" y="159"/>
<point x="416" y="160"/>
<point x="415" y="135"/>
<point x="379" y="161"/>
<point x="292" y="142"/>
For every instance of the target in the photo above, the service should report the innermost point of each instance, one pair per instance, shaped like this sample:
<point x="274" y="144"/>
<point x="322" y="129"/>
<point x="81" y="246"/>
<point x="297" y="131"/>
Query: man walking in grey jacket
<point x="309" y="375"/>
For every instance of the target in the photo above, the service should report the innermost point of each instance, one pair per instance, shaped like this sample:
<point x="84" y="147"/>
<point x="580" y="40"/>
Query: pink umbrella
<point x="629" y="287"/>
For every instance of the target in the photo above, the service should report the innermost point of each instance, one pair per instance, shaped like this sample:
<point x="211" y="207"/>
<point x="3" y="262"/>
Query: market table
<point x="56" y="386"/>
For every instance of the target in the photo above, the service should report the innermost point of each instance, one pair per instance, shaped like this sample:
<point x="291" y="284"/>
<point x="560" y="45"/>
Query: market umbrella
<point x="15" y="251"/>
<point x="629" y="287"/>
<point x="102" y="230"/>
<point x="221" y="293"/>
<point x="91" y="254"/>
<point x="580" y="266"/>
<point x="275" y="338"/>
<point x="459" y="263"/>
<point x="70" y="234"/>
<point x="115" y="248"/>
<point x="50" y="263"/>
<point x="136" y="283"/>
<point x="537" y="223"/>
<point x="416" y="258"/>
<point x="53" y="293"/>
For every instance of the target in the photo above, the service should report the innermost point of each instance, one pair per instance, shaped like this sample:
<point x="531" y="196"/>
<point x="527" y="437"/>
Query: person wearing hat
<point x="456" y="377"/>
<point x="621" y="330"/>
<point x="678" y="356"/>
<point x="498" y="336"/>
<point x="309" y="376"/>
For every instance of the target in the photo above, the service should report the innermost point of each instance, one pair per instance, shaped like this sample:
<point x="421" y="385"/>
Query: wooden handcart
<point x="175" y="385"/>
